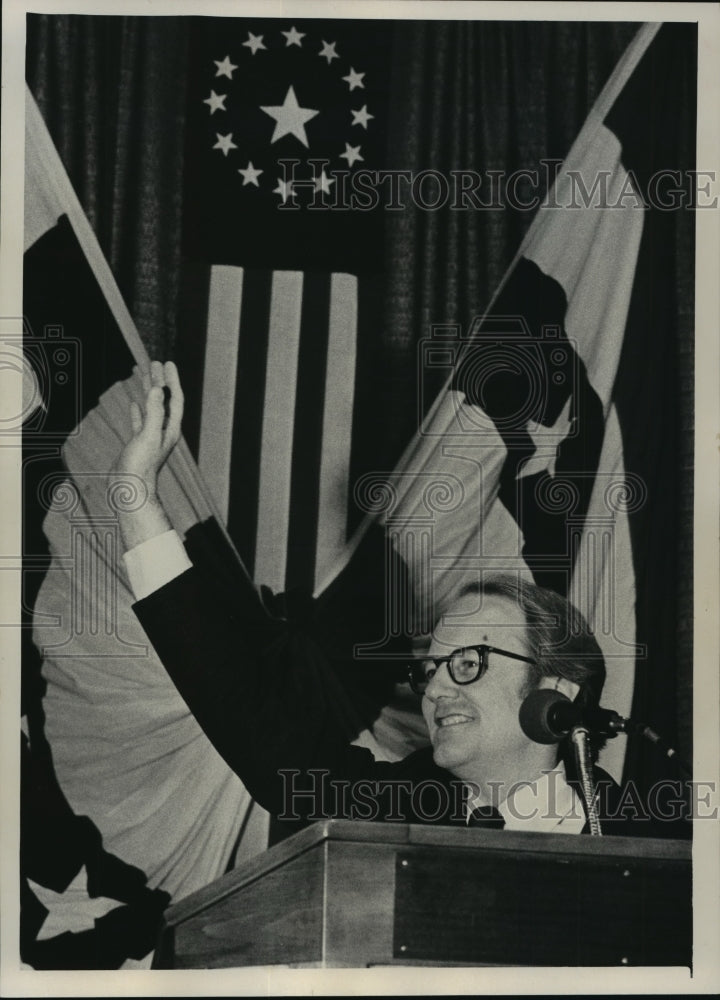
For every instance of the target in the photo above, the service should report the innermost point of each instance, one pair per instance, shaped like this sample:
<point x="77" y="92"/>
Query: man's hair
<point x="560" y="638"/>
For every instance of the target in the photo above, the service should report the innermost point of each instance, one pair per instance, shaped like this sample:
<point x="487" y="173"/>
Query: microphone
<point x="546" y="716"/>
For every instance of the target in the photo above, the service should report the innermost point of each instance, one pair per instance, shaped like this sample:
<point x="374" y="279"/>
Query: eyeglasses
<point x="464" y="665"/>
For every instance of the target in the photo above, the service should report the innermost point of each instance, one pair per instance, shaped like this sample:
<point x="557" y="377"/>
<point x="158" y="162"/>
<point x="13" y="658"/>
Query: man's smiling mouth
<point x="451" y="720"/>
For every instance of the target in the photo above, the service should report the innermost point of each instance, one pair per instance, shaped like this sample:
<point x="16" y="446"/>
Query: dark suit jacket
<point x="266" y="695"/>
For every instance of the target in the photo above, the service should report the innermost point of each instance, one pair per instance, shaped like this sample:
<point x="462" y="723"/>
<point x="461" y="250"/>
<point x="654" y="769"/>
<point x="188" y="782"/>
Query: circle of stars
<point x="290" y="117"/>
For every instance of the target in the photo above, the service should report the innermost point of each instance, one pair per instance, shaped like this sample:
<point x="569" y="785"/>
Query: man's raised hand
<point x="155" y="430"/>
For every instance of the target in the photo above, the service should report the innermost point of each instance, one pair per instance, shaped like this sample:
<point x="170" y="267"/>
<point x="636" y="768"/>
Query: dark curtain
<point x="483" y="96"/>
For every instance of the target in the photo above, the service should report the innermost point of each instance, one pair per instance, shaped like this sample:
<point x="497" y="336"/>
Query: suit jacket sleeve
<point x="262" y="690"/>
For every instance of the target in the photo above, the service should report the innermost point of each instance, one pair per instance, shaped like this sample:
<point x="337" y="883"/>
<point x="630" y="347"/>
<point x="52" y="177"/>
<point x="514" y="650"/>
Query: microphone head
<point x="536" y="715"/>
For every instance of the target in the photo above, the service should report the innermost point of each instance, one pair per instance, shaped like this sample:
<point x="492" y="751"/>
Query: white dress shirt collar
<point x="547" y="805"/>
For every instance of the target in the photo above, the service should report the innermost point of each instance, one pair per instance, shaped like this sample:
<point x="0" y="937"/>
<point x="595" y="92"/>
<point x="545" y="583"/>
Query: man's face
<point x="474" y="728"/>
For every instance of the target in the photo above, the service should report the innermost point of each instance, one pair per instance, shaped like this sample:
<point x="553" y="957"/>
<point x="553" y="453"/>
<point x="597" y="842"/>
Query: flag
<point x="282" y="301"/>
<point x="122" y="743"/>
<point x="534" y="459"/>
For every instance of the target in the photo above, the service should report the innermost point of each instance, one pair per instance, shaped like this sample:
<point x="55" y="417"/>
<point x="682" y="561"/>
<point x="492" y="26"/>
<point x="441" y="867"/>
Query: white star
<point x="225" y="143"/>
<point x="546" y="441"/>
<point x="354" y="79"/>
<point x="250" y="174"/>
<point x="293" y="37"/>
<point x="72" y="910"/>
<point x="361" y="117"/>
<point x="328" y="50"/>
<point x="284" y="189"/>
<point x="216" y="102"/>
<point x="290" y="118"/>
<point x="255" y="42"/>
<point x="225" y="67"/>
<point x="323" y="183"/>
<point x="351" y="154"/>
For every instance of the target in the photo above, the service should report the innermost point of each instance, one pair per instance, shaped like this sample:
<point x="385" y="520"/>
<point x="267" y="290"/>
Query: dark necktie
<point x="486" y="816"/>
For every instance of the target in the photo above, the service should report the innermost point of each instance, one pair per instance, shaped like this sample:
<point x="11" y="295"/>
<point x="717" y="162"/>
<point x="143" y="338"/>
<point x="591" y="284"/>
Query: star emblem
<point x="254" y="42"/>
<point x="225" y="143"/>
<point x="323" y="183"/>
<point x="216" y="102"/>
<point x="284" y="189"/>
<point x="354" y="79"/>
<point x="361" y="117"/>
<point x="72" y="910"/>
<point x="547" y="441"/>
<point x="293" y="37"/>
<point x="290" y="118"/>
<point x="351" y="154"/>
<point x="250" y="174"/>
<point x="225" y="67"/>
<point x="328" y="50"/>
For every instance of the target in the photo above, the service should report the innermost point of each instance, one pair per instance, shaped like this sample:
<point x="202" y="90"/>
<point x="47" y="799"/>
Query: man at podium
<point x="257" y="688"/>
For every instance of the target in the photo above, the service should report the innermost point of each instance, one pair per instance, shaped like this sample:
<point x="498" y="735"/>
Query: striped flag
<point x="281" y="303"/>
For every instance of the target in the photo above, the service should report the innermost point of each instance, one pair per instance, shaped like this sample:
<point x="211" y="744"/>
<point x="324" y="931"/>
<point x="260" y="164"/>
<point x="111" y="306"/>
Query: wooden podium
<point x="343" y="893"/>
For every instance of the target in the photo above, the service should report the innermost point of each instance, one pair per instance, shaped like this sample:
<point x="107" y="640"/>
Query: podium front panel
<point x="500" y="908"/>
<point x="344" y="893"/>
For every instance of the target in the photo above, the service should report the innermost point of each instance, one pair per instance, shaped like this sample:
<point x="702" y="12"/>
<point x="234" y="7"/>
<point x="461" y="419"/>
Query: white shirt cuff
<point x="152" y="564"/>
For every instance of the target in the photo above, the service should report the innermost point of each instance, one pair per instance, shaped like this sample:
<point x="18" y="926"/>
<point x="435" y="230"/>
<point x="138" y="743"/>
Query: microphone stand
<point x="581" y="746"/>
